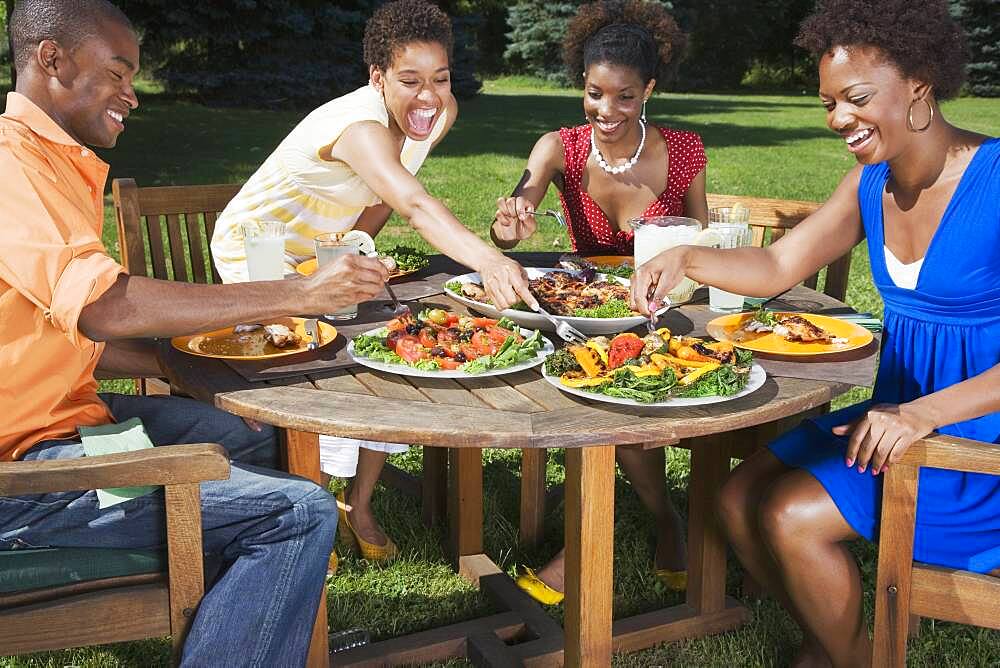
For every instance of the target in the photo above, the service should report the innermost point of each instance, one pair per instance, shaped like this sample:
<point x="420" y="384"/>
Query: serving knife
<point x="311" y="325"/>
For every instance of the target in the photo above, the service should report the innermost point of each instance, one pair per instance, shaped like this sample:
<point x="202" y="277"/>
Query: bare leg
<point x="806" y="534"/>
<point x="359" y="495"/>
<point x="646" y="471"/>
<point x="739" y="501"/>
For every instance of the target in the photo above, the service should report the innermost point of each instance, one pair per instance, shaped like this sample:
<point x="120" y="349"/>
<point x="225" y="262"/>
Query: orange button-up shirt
<point x="52" y="264"/>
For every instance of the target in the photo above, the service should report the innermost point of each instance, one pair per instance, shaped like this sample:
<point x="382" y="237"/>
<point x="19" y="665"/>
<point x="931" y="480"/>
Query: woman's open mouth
<point x="421" y="120"/>
<point x="859" y="139"/>
<point x="607" y="127"/>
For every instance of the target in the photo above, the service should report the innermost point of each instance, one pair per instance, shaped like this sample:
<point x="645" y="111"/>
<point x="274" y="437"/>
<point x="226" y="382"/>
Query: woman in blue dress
<point x="926" y="196"/>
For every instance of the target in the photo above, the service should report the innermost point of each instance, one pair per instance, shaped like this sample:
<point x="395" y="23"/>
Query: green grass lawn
<point x="761" y="145"/>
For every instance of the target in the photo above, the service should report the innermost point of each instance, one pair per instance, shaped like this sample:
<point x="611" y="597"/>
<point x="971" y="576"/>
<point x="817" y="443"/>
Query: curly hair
<point x="634" y="33"/>
<point x="919" y="37"/>
<point x="396" y="24"/>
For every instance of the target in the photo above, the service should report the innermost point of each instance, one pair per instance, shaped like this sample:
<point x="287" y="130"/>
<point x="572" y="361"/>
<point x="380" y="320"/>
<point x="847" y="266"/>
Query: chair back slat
<point x="770" y="218"/>
<point x="195" y="242"/>
<point x="178" y="249"/>
<point x="157" y="254"/>
<point x="189" y="214"/>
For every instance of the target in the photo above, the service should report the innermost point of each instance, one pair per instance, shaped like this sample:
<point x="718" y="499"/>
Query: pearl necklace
<point x="619" y="168"/>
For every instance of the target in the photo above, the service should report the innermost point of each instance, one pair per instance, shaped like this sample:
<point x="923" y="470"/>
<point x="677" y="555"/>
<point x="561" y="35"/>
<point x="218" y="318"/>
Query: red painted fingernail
<point x="849" y="461"/>
<point x="861" y="469"/>
<point x="875" y="472"/>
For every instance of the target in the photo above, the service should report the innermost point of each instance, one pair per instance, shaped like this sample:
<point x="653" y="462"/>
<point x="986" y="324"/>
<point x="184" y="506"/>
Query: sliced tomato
<point x="428" y="338"/>
<point x="482" y="342"/>
<point x="623" y="348"/>
<point x="408" y="347"/>
<point x="397" y="324"/>
<point x="470" y="351"/>
<point x="498" y="335"/>
<point x="446" y="337"/>
<point x="452" y="319"/>
<point x="483" y="323"/>
<point x="447" y="363"/>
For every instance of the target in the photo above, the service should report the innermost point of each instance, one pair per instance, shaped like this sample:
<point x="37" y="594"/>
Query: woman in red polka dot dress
<point x="614" y="168"/>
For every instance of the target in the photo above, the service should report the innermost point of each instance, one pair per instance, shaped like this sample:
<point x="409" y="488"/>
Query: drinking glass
<point x="736" y="214"/>
<point x="655" y="234"/>
<point x="264" y="244"/>
<point x="329" y="247"/>
<point x="730" y="236"/>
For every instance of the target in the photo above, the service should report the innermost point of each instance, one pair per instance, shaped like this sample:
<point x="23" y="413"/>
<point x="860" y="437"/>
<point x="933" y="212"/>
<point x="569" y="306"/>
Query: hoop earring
<point x="909" y="116"/>
<point x="642" y="117"/>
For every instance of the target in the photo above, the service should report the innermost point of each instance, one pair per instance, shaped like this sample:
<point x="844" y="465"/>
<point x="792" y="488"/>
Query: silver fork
<point x="651" y="323"/>
<point x="564" y="330"/>
<point x="553" y="213"/>
<point x="401" y="309"/>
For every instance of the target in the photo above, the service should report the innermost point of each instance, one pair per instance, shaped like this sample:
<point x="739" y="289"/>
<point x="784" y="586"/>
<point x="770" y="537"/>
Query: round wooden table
<point x="522" y="410"/>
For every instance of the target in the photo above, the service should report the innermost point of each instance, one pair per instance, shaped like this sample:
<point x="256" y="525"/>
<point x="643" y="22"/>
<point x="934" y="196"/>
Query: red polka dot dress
<point x="590" y="231"/>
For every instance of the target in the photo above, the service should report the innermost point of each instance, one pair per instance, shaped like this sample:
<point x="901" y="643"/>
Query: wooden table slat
<point x="388" y="386"/>
<point x="532" y="385"/>
<point x="498" y="394"/>
<point x="447" y="392"/>
<point x="342" y="381"/>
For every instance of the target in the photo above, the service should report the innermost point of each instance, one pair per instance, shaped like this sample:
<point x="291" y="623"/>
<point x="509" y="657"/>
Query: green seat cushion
<point x="26" y="569"/>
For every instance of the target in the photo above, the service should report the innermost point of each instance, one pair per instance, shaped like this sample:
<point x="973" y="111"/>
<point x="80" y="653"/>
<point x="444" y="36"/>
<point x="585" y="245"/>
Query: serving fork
<point x="653" y="317"/>
<point x="401" y="309"/>
<point x="564" y="330"/>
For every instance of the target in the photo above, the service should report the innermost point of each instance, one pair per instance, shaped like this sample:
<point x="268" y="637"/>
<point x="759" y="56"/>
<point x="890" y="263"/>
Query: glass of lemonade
<point x="264" y="244"/>
<point x="330" y="246"/>
<point x="730" y="236"/>
<point x="655" y="234"/>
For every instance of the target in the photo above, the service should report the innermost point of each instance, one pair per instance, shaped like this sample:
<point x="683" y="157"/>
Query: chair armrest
<point x="170" y="465"/>
<point x="949" y="452"/>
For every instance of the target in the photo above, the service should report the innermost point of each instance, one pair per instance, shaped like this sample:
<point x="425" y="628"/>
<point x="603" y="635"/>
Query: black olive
<point x="460" y="357"/>
<point x="413" y="328"/>
<point x="455" y="331"/>
<point x="437" y="351"/>
<point x="465" y="336"/>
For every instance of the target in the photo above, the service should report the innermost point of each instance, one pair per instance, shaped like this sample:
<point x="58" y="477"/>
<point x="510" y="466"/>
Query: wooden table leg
<point x="590" y="513"/>
<point x="302" y="456"/>
<point x="434" y="485"/>
<point x="465" y="502"/>
<point x="532" y="519"/>
<point x="706" y="590"/>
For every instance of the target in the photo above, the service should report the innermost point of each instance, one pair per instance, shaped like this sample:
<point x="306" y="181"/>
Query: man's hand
<point x="881" y="436"/>
<point x="655" y="278"/>
<point x="349" y="279"/>
<point x="514" y="221"/>
<point x="506" y="283"/>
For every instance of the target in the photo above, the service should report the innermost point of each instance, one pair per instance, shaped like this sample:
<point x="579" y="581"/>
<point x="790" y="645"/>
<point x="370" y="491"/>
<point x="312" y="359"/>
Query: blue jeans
<point x="273" y="531"/>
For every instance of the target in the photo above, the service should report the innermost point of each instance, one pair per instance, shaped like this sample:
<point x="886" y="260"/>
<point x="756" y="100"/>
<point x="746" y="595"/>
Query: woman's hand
<point x="506" y="283"/>
<point x="514" y="220"/>
<point x="881" y="436"/>
<point x="655" y="278"/>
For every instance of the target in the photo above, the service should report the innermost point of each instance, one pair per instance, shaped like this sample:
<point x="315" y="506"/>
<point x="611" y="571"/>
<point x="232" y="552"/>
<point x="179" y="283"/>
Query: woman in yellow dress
<point x="348" y="165"/>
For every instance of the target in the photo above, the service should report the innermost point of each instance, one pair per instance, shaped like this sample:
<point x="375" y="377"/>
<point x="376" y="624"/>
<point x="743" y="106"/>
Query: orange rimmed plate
<point x="725" y="328"/>
<point x="612" y="260"/>
<point x="309" y="266"/>
<point x="221" y="343"/>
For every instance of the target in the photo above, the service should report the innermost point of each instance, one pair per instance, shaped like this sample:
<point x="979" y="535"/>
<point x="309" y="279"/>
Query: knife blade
<point x="311" y="325"/>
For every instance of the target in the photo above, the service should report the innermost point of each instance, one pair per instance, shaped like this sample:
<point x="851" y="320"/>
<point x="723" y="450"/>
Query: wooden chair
<point x="769" y="218"/>
<point x="139" y="600"/>
<point x="165" y="232"/>
<point x="906" y="591"/>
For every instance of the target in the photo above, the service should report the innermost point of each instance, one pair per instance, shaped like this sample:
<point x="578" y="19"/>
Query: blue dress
<point x="944" y="331"/>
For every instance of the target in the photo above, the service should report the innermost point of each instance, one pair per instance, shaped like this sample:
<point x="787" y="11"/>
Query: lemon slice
<point x="707" y="237"/>
<point x="363" y="241"/>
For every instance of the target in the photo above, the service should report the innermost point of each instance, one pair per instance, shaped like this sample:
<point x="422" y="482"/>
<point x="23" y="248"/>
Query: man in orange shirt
<point x="69" y="311"/>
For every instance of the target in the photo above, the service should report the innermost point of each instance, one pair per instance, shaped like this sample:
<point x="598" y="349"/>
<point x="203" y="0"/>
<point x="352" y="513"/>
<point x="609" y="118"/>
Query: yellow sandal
<point x="675" y="580"/>
<point x="369" y="551"/>
<point x="537" y="589"/>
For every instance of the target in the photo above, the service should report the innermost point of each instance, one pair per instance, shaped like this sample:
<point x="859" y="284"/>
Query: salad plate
<point x="453" y="347"/>
<point x="526" y="318"/>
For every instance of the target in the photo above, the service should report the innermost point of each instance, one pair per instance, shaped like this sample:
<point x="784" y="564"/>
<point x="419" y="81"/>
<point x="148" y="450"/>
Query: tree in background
<point x="265" y="52"/>
<point x="534" y="43"/>
<point x="981" y="21"/>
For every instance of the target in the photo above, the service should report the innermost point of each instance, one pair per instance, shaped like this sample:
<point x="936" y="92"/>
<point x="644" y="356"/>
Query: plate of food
<point x="593" y="303"/>
<point x="440" y="344"/>
<point x="405" y="260"/>
<point x="622" y="266"/>
<point x="783" y="333"/>
<point x="654" y="370"/>
<point x="275" y="337"/>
